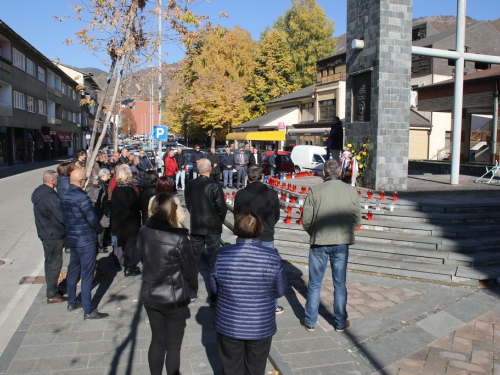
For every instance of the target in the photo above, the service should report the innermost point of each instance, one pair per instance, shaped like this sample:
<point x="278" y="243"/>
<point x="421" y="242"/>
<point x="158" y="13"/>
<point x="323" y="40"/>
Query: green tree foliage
<point x="129" y="126"/>
<point x="309" y="34"/>
<point x="273" y="72"/>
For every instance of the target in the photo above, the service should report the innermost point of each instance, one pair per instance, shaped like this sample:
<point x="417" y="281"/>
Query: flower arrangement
<point x="354" y="161"/>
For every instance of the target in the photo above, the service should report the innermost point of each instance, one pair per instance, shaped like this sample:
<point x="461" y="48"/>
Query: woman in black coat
<point x="126" y="217"/>
<point x="148" y="183"/>
<point x="169" y="274"/>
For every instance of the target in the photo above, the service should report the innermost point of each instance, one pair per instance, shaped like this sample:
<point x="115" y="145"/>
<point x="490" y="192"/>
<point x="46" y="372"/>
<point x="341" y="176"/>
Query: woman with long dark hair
<point x="169" y="273"/>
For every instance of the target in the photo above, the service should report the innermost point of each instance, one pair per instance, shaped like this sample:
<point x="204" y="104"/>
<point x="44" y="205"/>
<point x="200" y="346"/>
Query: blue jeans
<point x="318" y="258"/>
<point x="228" y="175"/>
<point x="270" y="244"/>
<point x="81" y="259"/>
<point x="181" y="174"/>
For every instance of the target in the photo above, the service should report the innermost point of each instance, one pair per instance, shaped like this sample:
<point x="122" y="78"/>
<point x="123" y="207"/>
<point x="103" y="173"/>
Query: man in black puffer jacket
<point x="207" y="209"/>
<point x="50" y="228"/>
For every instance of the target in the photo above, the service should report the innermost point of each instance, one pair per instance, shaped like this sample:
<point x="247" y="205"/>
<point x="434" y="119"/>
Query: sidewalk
<point x="8" y="170"/>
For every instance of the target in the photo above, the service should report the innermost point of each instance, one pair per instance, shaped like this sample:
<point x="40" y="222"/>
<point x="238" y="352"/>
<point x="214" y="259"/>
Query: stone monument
<point x="378" y="86"/>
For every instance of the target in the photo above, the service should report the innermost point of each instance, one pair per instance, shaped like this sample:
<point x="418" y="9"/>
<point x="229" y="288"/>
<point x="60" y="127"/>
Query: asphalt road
<point x="20" y="248"/>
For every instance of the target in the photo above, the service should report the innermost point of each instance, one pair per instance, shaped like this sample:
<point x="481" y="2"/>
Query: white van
<point x="307" y="157"/>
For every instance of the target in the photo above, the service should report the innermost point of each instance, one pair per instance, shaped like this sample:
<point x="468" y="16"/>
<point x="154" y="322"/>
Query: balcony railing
<point x="58" y="121"/>
<point x="57" y="93"/>
<point x="5" y="65"/>
<point x="333" y="78"/>
<point x="5" y="110"/>
<point x="50" y="89"/>
<point x="51" y="120"/>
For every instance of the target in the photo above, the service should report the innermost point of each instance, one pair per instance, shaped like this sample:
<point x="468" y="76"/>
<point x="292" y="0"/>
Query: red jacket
<point x="171" y="167"/>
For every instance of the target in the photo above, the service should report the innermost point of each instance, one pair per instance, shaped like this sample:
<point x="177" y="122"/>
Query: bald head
<point x="204" y="167"/>
<point x="78" y="178"/>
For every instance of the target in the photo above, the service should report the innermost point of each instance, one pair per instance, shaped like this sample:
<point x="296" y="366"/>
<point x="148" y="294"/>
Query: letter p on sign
<point x="160" y="133"/>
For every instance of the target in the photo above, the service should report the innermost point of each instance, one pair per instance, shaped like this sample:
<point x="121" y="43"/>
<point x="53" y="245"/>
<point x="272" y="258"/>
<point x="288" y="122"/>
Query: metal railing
<point x="6" y="66"/>
<point x="51" y="120"/>
<point x="333" y="78"/>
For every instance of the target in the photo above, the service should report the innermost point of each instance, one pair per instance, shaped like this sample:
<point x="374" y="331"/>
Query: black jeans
<point x="236" y="356"/>
<point x="128" y="245"/>
<point x="167" y="328"/>
<point x="52" y="250"/>
<point x="212" y="242"/>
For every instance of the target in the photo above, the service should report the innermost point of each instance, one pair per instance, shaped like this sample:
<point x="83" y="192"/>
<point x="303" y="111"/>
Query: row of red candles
<point x="292" y="188"/>
<point x="369" y="194"/>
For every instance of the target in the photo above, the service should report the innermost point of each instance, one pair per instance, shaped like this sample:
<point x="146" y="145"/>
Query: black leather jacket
<point x="169" y="270"/>
<point x="205" y="203"/>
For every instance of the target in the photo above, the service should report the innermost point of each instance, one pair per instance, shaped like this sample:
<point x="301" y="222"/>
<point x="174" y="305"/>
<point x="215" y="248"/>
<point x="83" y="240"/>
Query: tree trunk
<point x="97" y="116"/>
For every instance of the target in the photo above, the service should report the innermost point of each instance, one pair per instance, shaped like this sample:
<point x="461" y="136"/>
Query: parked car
<point x="286" y="162"/>
<point x="308" y="157"/>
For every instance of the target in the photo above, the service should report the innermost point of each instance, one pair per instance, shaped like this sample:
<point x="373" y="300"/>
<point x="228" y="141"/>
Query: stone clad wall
<point x="385" y="26"/>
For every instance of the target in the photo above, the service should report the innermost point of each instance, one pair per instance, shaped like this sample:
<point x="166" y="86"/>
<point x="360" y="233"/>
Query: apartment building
<point x="39" y="104"/>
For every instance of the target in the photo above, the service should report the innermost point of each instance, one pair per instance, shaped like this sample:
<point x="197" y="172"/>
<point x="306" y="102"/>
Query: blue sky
<point x="35" y="22"/>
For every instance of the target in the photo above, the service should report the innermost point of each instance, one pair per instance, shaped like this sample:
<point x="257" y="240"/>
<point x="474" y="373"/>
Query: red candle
<point x="370" y="194"/>
<point x="299" y="221"/>
<point x="369" y="216"/>
<point x="395" y="196"/>
<point x="288" y="219"/>
<point x="303" y="190"/>
<point x="289" y="210"/>
<point x="300" y="210"/>
<point x="359" y="192"/>
<point x="315" y="173"/>
<point x="289" y="186"/>
<point x="382" y="195"/>
<point x="225" y="197"/>
<point x="283" y="185"/>
<point x="292" y="199"/>
<point x="358" y="229"/>
<point x="234" y="194"/>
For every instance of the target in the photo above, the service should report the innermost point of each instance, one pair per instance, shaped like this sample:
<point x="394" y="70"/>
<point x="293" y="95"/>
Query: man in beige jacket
<point x="331" y="215"/>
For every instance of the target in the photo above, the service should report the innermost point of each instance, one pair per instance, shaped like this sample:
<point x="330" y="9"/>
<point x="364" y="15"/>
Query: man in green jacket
<point x="331" y="215"/>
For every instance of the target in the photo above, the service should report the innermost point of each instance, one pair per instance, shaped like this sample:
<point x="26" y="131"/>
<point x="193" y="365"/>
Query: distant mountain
<point x="439" y="23"/>
<point x="137" y="84"/>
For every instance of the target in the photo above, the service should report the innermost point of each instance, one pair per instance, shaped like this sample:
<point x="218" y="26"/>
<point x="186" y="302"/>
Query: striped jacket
<point x="247" y="277"/>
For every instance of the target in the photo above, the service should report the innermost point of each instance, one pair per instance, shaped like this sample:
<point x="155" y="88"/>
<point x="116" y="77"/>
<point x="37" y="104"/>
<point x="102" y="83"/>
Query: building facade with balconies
<point x="39" y="104"/>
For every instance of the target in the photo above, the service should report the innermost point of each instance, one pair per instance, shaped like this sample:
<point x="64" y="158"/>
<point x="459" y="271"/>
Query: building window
<point x="42" y="107"/>
<point x="19" y="100"/>
<point x="31" y="104"/>
<point x="327" y="109"/>
<point x="73" y="94"/>
<point x="41" y="74"/>
<point x="307" y="112"/>
<point x="64" y="114"/>
<point x="74" y="117"/>
<point x="31" y="68"/>
<point x="19" y="59"/>
<point x="64" y="88"/>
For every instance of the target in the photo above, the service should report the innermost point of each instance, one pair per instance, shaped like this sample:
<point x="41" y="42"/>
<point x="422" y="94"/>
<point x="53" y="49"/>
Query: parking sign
<point x="160" y="133"/>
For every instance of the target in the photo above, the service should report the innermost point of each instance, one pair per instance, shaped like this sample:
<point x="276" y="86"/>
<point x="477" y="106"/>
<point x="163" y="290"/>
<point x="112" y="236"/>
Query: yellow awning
<point x="237" y="136"/>
<point x="278" y="135"/>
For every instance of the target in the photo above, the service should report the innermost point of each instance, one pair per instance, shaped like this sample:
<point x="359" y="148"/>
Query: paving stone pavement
<point x="395" y="324"/>
<point x="51" y="340"/>
<point x="399" y="326"/>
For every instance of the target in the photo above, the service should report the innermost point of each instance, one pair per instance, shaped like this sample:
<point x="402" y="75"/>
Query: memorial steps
<point x="456" y="243"/>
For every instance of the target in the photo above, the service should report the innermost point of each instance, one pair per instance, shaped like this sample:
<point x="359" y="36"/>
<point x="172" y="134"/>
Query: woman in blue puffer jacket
<point x="247" y="278"/>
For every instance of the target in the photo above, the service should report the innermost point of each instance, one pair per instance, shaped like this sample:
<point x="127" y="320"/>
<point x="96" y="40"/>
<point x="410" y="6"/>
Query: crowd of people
<point x="128" y="205"/>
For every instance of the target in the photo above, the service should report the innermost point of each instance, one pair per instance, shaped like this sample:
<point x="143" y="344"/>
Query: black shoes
<point x="95" y="315"/>
<point x="132" y="271"/>
<point x="303" y="324"/>
<point x="57" y="299"/>
<point x="77" y="305"/>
